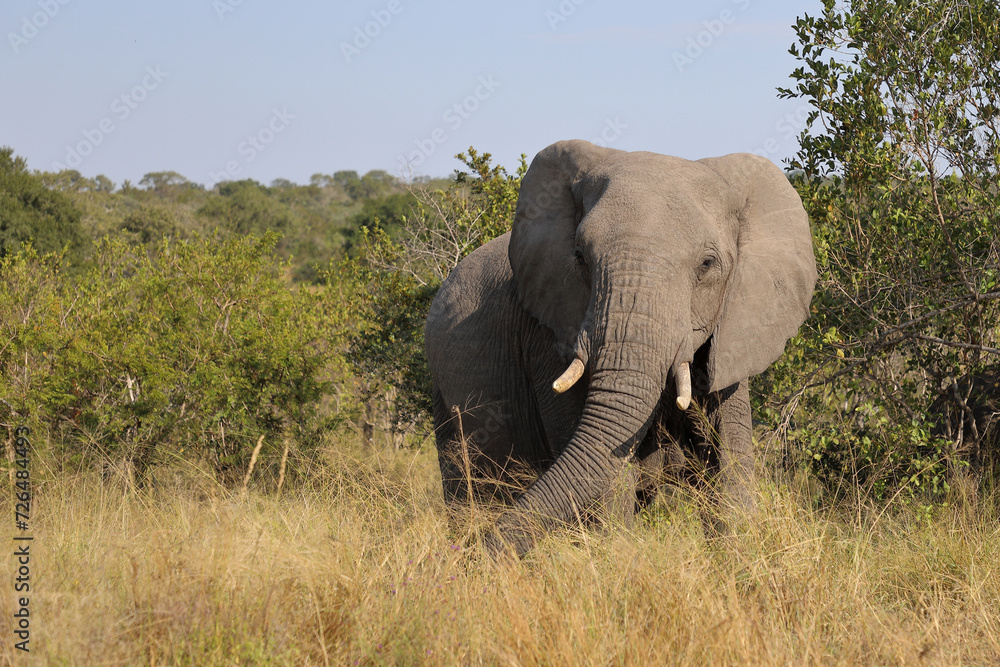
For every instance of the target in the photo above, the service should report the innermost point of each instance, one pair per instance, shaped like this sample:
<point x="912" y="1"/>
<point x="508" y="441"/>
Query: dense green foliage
<point x="196" y="349"/>
<point x="244" y="207"/>
<point x="162" y="322"/>
<point x="889" y="383"/>
<point x="316" y="221"/>
<point x="400" y="273"/>
<point x="32" y="214"/>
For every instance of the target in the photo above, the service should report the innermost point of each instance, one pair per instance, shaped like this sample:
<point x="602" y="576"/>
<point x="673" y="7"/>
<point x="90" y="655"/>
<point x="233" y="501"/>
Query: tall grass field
<point x="361" y="566"/>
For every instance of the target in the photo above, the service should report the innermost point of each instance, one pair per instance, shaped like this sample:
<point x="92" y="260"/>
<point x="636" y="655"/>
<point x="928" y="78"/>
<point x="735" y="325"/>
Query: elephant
<point x="619" y="319"/>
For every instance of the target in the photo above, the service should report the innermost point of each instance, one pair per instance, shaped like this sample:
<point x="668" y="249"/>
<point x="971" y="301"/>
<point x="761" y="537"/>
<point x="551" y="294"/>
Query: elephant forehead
<point x="648" y="168"/>
<point x="664" y="213"/>
<point x="668" y="186"/>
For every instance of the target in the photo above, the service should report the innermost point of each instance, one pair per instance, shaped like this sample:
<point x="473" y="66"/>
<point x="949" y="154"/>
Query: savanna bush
<point x="33" y="214"/>
<point x="195" y="350"/>
<point x="898" y="169"/>
<point x="398" y="275"/>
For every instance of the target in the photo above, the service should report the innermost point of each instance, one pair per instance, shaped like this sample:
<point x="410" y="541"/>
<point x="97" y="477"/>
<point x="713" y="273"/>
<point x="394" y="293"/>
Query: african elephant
<point x="630" y="284"/>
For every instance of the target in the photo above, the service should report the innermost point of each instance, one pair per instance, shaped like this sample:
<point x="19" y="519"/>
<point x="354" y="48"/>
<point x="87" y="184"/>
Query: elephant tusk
<point x="683" y="386"/>
<point x="569" y="377"/>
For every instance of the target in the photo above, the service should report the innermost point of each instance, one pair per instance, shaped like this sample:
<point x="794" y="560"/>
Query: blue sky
<point x="230" y="89"/>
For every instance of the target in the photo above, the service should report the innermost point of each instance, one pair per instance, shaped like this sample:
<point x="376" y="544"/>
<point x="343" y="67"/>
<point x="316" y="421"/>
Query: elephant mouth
<point x="681" y="373"/>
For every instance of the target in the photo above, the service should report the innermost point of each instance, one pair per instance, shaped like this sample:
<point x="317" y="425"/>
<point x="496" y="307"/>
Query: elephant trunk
<point x="635" y="350"/>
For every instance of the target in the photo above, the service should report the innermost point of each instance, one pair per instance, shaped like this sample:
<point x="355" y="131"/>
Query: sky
<point x="230" y="89"/>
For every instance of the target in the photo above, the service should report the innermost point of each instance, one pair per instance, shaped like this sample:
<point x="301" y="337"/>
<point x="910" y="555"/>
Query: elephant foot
<point x="729" y="517"/>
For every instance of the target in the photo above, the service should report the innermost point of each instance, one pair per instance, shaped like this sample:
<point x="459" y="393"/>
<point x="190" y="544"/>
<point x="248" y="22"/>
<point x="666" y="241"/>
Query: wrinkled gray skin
<point x="634" y="263"/>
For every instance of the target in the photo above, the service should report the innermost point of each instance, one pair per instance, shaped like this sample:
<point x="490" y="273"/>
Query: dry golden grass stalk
<point x="362" y="567"/>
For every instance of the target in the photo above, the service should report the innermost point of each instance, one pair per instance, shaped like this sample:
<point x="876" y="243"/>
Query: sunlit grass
<point x="362" y="567"/>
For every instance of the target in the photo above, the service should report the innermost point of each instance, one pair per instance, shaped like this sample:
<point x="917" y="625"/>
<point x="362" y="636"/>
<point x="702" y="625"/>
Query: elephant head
<point x="645" y="266"/>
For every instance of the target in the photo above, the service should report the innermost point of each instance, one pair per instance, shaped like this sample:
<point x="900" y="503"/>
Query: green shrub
<point x="245" y="207"/>
<point x="898" y="169"/>
<point x="31" y="213"/>
<point x="195" y="351"/>
<point x="398" y="277"/>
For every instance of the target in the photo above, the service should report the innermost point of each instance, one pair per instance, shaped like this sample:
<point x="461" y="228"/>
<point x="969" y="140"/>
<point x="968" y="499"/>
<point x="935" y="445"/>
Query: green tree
<point x="246" y="207"/>
<point x="375" y="183"/>
<point x="900" y="164"/>
<point x="388" y="213"/>
<point x="32" y="213"/>
<point x="70" y="180"/>
<point x="319" y="180"/>
<point x="150" y="223"/>
<point x="398" y="277"/>
<point x="170" y="185"/>
<point x="165" y="181"/>
<point x="103" y="184"/>
<point x="347" y="180"/>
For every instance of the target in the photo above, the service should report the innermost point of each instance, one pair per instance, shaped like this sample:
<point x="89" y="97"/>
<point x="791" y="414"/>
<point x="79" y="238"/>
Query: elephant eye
<point x="579" y="256"/>
<point x="707" y="264"/>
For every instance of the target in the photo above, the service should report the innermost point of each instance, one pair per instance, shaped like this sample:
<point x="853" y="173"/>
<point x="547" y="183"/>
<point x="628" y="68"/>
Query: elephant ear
<point x="772" y="283"/>
<point x="552" y="200"/>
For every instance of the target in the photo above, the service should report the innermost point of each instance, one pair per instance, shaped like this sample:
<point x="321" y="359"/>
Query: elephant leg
<point x="478" y="453"/>
<point x="728" y="415"/>
<point x="454" y="477"/>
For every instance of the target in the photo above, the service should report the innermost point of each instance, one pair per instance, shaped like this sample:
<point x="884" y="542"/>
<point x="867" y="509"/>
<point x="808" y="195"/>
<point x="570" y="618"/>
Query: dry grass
<point x="362" y="569"/>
